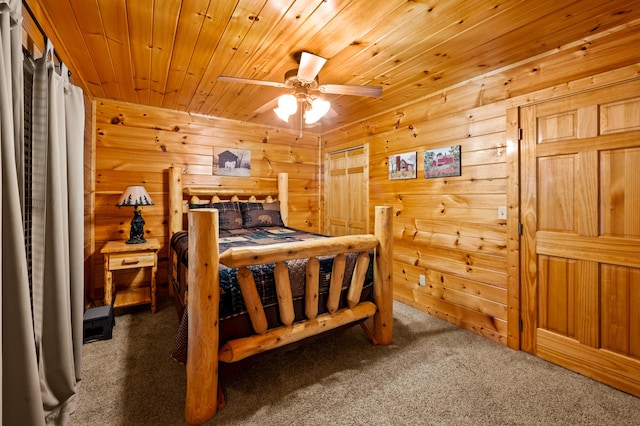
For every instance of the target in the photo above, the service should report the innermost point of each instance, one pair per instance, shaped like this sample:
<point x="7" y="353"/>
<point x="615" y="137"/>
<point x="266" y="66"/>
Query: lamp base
<point x="136" y="234"/>
<point x="137" y="241"/>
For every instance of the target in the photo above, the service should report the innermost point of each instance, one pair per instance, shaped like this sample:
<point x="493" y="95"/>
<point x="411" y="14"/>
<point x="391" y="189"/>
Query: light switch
<point x="502" y="212"/>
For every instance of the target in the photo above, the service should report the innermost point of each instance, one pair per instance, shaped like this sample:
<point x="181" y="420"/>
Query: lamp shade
<point x="319" y="108"/>
<point x="135" y="196"/>
<point x="282" y="114"/>
<point x="287" y="105"/>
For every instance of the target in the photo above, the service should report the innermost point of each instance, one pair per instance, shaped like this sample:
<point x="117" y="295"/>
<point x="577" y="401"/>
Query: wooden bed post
<point x="283" y="197"/>
<point x="175" y="200"/>
<point x="380" y="329"/>
<point x="203" y="310"/>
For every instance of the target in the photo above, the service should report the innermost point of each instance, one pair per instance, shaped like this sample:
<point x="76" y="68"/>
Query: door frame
<point x="327" y="174"/>
<point x="513" y="137"/>
<point x="581" y="353"/>
<point x="524" y="288"/>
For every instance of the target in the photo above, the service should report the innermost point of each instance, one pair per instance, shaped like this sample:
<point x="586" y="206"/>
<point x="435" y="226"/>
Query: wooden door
<point x="347" y="195"/>
<point x="580" y="206"/>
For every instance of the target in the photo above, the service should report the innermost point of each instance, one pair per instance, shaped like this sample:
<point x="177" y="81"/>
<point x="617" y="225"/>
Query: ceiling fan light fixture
<point x="288" y="103"/>
<point x="319" y="108"/>
<point x="303" y="80"/>
<point x="287" y="106"/>
<point x="282" y="115"/>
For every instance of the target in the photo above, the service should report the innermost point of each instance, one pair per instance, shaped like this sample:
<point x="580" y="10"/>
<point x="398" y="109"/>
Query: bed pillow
<point x="229" y="213"/>
<point x="256" y="215"/>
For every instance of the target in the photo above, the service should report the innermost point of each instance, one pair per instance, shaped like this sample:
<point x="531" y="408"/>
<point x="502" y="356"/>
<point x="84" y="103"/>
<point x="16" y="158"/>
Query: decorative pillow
<point x="255" y="215"/>
<point x="229" y="214"/>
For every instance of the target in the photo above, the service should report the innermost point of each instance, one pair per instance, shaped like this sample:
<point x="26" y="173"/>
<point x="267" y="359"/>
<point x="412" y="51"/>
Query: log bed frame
<point x="204" y="353"/>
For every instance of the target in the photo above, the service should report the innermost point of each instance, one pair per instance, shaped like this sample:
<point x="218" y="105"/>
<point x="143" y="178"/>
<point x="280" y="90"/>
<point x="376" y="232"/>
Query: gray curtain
<point x="42" y="333"/>
<point x="21" y="397"/>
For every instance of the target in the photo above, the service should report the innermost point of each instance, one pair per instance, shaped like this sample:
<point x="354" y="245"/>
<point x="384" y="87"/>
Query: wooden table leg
<point x="154" y="272"/>
<point x="108" y="282"/>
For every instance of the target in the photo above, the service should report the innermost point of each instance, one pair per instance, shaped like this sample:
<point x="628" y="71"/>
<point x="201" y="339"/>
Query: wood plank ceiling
<point x="169" y="53"/>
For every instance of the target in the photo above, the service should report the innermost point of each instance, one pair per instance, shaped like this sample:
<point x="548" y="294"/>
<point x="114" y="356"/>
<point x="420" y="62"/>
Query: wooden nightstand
<point x="119" y="255"/>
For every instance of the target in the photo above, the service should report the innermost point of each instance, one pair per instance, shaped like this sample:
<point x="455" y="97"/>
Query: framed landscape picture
<point x="403" y="166"/>
<point x="442" y="162"/>
<point x="231" y="162"/>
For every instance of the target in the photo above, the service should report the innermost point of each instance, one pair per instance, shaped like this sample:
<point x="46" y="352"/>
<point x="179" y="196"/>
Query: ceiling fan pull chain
<point x="301" y="114"/>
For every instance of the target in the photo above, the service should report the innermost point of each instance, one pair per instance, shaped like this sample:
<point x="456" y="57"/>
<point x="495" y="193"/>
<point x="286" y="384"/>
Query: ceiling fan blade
<point x="331" y="114"/>
<point x="266" y="107"/>
<point x="351" y="89"/>
<point x="250" y="81"/>
<point x="310" y="66"/>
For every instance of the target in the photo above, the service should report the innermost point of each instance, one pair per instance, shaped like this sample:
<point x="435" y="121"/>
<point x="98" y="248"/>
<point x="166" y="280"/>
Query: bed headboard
<point x="180" y="195"/>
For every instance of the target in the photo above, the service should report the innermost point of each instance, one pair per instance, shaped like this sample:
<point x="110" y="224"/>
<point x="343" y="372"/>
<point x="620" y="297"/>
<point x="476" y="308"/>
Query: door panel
<point x="337" y="181"/>
<point x="621" y="310"/>
<point x="357" y="185"/>
<point x="581" y="238"/>
<point x="556" y="212"/>
<point x="347" y="195"/>
<point x="621" y="195"/>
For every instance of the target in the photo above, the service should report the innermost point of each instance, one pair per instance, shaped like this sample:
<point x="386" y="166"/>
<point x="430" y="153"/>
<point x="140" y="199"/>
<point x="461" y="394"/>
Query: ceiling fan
<point x="302" y="82"/>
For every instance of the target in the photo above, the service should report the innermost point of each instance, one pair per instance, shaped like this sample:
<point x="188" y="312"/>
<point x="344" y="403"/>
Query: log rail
<point x="242" y="257"/>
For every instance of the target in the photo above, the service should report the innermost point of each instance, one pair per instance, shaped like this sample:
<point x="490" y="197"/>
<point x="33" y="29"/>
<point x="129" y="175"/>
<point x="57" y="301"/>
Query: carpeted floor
<point x="433" y="374"/>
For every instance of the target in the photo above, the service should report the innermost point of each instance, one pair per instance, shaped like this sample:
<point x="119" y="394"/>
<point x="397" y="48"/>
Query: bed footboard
<point x="203" y="304"/>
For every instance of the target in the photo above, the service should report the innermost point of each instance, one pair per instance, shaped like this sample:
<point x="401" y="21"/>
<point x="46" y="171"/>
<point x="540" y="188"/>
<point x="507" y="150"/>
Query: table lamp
<point x="135" y="196"/>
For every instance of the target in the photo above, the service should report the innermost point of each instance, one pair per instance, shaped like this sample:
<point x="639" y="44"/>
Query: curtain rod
<point x="42" y="32"/>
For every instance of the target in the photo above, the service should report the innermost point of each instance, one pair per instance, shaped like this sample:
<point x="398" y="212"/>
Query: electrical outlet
<point x="502" y="212"/>
<point x="423" y="280"/>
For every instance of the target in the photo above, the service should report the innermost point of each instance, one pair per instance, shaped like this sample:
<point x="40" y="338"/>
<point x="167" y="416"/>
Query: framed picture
<point x="231" y="162"/>
<point x="442" y="162"/>
<point x="403" y="166"/>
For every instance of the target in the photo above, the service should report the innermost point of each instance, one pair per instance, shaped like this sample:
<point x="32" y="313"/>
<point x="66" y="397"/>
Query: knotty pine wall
<point x="135" y="145"/>
<point x="447" y="228"/>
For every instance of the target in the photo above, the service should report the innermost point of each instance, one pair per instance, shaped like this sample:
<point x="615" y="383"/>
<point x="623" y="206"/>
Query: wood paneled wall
<point x="135" y="145"/>
<point x="447" y="229"/>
